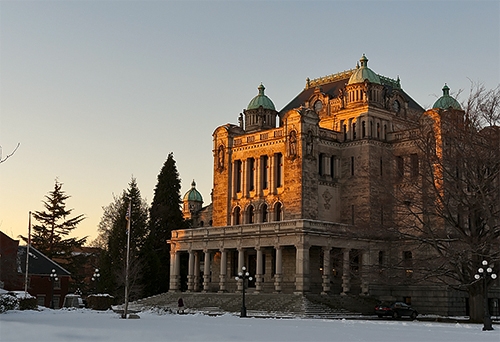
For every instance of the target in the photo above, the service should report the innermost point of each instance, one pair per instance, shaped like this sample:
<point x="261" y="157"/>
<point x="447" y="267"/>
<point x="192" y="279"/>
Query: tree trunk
<point x="476" y="307"/>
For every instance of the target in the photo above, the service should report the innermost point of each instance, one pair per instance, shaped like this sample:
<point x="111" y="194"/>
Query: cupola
<point x="260" y="113"/>
<point x="363" y="73"/>
<point x="261" y="100"/>
<point x="193" y="195"/>
<point x="446" y="101"/>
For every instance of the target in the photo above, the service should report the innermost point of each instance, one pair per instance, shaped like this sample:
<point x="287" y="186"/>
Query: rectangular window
<point x="321" y="162"/>
<point x="414" y="165"/>
<point x="264" y="161"/>
<point x="279" y="169"/>
<point x="352" y="214"/>
<point x="408" y="263"/>
<point x="381" y="167"/>
<point x="40" y="300"/>
<point x="354" y="131"/>
<point x="238" y="171"/>
<point x="352" y="166"/>
<point x="400" y="167"/>
<point x="332" y="166"/>
<point x="251" y="173"/>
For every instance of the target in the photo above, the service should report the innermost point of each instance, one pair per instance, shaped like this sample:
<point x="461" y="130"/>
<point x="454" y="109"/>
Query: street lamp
<point x="95" y="277"/>
<point x="53" y="278"/>
<point x="243" y="275"/>
<point x="486" y="272"/>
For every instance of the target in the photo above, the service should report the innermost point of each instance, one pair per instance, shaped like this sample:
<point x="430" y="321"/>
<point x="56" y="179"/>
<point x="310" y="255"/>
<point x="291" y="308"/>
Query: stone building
<point x="298" y="195"/>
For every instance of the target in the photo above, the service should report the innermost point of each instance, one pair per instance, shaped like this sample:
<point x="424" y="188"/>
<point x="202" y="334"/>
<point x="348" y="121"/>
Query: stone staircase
<point x="261" y="304"/>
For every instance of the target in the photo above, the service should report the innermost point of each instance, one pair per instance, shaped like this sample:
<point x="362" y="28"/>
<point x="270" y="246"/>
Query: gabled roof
<point x="38" y="263"/>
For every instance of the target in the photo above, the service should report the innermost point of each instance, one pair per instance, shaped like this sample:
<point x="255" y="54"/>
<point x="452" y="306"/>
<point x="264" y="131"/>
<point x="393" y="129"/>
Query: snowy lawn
<point x="86" y="325"/>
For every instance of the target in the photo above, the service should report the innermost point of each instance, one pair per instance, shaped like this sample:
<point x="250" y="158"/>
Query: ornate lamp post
<point x="53" y="278"/>
<point x="243" y="275"/>
<point x="95" y="277"/>
<point x="486" y="272"/>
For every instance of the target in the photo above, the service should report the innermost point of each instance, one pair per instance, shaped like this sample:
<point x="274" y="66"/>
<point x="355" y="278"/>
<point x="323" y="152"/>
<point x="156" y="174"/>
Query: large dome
<point x="192" y="195"/>
<point x="363" y="73"/>
<point x="261" y="100"/>
<point x="446" y="101"/>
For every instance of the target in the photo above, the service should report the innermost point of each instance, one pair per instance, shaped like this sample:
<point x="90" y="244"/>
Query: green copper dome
<point x="193" y="195"/>
<point x="363" y="73"/>
<point x="261" y="100"/>
<point x="446" y="101"/>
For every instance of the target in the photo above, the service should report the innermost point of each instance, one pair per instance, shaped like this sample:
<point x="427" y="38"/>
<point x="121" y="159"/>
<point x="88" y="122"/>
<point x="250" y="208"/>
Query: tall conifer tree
<point x="50" y="235"/>
<point x="165" y="215"/>
<point x="113" y="228"/>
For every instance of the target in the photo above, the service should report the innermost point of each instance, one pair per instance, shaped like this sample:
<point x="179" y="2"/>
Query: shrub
<point x="8" y="302"/>
<point x="29" y="303"/>
<point x="100" y="301"/>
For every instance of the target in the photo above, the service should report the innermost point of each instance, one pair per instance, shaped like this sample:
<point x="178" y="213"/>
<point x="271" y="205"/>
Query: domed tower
<point x="364" y="85"/>
<point x="446" y="101"/>
<point x="191" y="203"/>
<point x="260" y="113"/>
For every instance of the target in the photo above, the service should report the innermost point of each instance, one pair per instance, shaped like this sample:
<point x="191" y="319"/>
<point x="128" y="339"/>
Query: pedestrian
<point x="180" y="304"/>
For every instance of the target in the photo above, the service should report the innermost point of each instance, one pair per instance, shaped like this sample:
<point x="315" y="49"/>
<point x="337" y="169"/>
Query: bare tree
<point x="446" y="196"/>
<point x="2" y="159"/>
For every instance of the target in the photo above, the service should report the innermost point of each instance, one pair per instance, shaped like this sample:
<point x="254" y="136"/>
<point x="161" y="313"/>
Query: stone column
<point x="302" y="268"/>
<point x="173" y="275"/>
<point x="223" y="268"/>
<point x="327" y="270"/>
<point x="259" y="275"/>
<point x="346" y="272"/>
<point x="241" y="263"/>
<point x="278" y="277"/>
<point x="365" y="271"/>
<point x="196" y="271"/>
<point x="191" y="271"/>
<point x="206" y="271"/>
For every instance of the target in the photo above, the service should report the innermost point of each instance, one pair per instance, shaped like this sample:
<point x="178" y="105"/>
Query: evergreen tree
<point x="113" y="230"/>
<point x="50" y="236"/>
<point x="165" y="215"/>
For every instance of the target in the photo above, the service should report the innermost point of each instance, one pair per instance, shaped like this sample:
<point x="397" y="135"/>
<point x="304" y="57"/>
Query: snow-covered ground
<point x="86" y="325"/>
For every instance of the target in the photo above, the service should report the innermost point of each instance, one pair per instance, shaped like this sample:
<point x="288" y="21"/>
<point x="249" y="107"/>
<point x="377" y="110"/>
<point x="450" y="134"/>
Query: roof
<point x="261" y="100"/>
<point x="446" y="101"/>
<point x="38" y="263"/>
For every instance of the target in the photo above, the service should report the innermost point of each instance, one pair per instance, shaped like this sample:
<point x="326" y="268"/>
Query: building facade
<point x="299" y="196"/>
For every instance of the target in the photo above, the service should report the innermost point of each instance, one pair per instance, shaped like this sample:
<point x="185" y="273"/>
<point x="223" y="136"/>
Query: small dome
<point x="446" y="101"/>
<point x="192" y="195"/>
<point x="261" y="100"/>
<point x="363" y="73"/>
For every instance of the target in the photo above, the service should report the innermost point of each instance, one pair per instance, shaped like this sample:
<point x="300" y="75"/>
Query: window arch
<point x="237" y="216"/>
<point x="250" y="214"/>
<point x="263" y="211"/>
<point x="278" y="211"/>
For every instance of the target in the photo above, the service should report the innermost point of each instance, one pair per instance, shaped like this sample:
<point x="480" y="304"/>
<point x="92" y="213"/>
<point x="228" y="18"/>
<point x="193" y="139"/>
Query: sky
<point x="98" y="92"/>
<point x="87" y="325"/>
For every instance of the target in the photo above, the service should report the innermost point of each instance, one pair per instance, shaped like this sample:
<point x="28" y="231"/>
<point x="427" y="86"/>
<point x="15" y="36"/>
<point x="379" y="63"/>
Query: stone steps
<point x="261" y="305"/>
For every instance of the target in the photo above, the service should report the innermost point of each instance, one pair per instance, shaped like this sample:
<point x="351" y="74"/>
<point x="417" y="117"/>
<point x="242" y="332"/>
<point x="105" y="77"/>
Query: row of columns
<point x="302" y="274"/>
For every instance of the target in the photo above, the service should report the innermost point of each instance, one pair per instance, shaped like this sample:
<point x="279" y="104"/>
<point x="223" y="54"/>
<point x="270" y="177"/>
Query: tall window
<point x="250" y="214"/>
<point x="251" y="173"/>
<point x="414" y="165"/>
<point x="277" y="211"/>
<point x="345" y="132"/>
<point x="352" y="166"/>
<point x="237" y="216"/>
<point x="381" y="167"/>
<point x="264" y="161"/>
<point x="332" y="166"/>
<point x="378" y="130"/>
<point x="353" y="131"/>
<point x="321" y="162"/>
<point x="400" y="167"/>
<point x="237" y="169"/>
<point x="363" y="130"/>
<point x="279" y="169"/>
<point x="352" y="214"/>
<point x="264" y="212"/>
<point x="408" y="263"/>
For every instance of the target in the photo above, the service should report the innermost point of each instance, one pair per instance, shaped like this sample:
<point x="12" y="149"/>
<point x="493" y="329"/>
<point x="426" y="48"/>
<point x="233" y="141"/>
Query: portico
<point x="296" y="256"/>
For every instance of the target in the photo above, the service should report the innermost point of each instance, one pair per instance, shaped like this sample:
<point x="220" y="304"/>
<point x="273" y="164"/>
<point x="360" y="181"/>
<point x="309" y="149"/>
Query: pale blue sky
<point x="98" y="91"/>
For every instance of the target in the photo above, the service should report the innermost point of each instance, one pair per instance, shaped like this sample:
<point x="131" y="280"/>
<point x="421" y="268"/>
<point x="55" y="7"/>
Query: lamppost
<point x="486" y="272"/>
<point x="53" y="278"/>
<point x="95" y="277"/>
<point x="243" y="275"/>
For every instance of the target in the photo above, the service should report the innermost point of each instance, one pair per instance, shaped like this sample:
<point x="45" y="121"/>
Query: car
<point x="396" y="310"/>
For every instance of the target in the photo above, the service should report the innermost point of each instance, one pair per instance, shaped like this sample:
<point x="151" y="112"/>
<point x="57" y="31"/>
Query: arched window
<point x="264" y="212"/>
<point x="278" y="211"/>
<point x="250" y="214"/>
<point x="237" y="216"/>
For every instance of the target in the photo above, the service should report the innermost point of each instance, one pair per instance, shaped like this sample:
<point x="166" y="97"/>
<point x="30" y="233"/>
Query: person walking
<point x="180" y="306"/>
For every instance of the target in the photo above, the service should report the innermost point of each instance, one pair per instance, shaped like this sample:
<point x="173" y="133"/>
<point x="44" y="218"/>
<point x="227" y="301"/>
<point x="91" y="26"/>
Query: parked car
<point x="396" y="310"/>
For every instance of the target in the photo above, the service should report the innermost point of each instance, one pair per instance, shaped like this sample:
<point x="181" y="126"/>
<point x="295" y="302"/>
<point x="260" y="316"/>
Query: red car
<point x="396" y="310"/>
